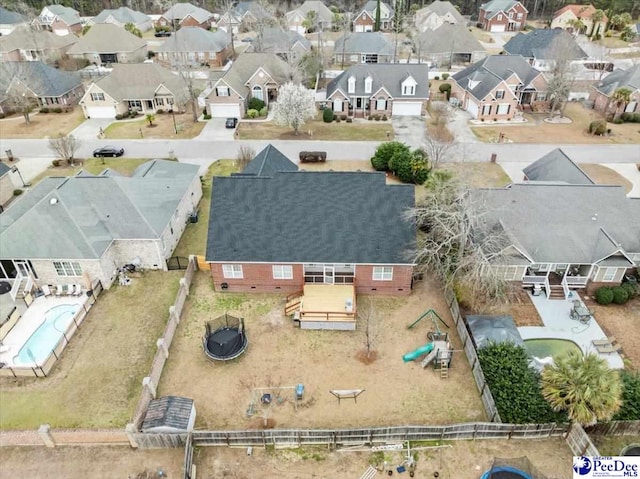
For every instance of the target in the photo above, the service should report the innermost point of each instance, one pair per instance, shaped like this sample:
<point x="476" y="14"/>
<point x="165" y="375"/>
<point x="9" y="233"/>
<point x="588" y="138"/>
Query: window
<point x="67" y="268"/>
<point x="353" y="58"/>
<point x="381" y="104"/>
<point x="499" y="94"/>
<point x="408" y="90"/>
<point x="510" y="15"/>
<point x="519" y="16"/>
<point x="370" y="58"/>
<point x="232" y="271"/>
<point x="486" y="109"/>
<point x="609" y="274"/>
<point x="368" y="83"/>
<point x="503" y="109"/>
<point x="499" y="18"/>
<point x="97" y="97"/>
<point x="351" y="86"/>
<point x="282" y="271"/>
<point x="222" y="91"/>
<point x="256" y="92"/>
<point x="541" y="97"/>
<point x="135" y="104"/>
<point x="200" y="55"/>
<point x="382" y="273"/>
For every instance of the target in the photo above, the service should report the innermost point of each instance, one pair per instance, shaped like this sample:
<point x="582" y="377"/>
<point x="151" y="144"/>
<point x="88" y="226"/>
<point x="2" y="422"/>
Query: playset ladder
<point x="444" y="369"/>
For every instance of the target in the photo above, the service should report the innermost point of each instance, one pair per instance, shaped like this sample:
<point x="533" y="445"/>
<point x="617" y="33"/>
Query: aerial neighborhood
<point x="348" y="238"/>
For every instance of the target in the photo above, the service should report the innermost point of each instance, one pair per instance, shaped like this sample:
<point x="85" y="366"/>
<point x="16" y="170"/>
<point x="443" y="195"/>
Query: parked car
<point x="247" y="40"/>
<point x="231" y="123"/>
<point x="108" y="150"/>
<point x="162" y="33"/>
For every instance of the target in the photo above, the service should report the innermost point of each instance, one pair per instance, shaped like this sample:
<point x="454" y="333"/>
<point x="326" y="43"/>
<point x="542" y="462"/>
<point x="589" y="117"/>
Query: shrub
<point x="630" y="117"/>
<point x="445" y="76"/>
<point x="55" y="163"/>
<point x="2" y="116"/>
<point x="598" y="127"/>
<point x="630" y="289"/>
<point x="620" y="295"/>
<point x="206" y="116"/>
<point x="630" y="410"/>
<point x="604" y="295"/>
<point x="44" y="109"/>
<point x="384" y="118"/>
<point x="264" y="111"/>
<point x="376" y="117"/>
<point x="159" y="111"/>
<point x="349" y="120"/>
<point x="370" y="117"/>
<point x="133" y="113"/>
<point x="381" y="158"/>
<point x="17" y="192"/>
<point x="252" y="113"/>
<point x="57" y="110"/>
<point x="255" y="104"/>
<point x="119" y="116"/>
<point x="337" y="118"/>
<point x="446" y="89"/>
<point x="327" y="115"/>
<point x="597" y="37"/>
<point x="343" y="117"/>
<point x="436" y="78"/>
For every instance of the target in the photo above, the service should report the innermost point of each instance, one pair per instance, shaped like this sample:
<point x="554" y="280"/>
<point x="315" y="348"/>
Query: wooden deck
<point x="324" y="306"/>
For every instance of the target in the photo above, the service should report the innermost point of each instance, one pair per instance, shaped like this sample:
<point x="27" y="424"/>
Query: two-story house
<point x="59" y="19"/>
<point x="365" y="20"/>
<point x="311" y="15"/>
<point x="194" y="47"/>
<point x="602" y="94"/>
<point x="185" y="15"/>
<point x="9" y="21"/>
<point x="106" y="43"/>
<point x="567" y="16"/>
<point x="365" y="47"/>
<point x="436" y="14"/>
<point x="503" y="16"/>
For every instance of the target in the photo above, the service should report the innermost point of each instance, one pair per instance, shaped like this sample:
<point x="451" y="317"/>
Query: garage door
<point x="472" y="108"/>
<point x="497" y="28"/>
<point x="359" y="28"/>
<point x="406" y="108"/>
<point x="101" y="112"/>
<point x="224" y="110"/>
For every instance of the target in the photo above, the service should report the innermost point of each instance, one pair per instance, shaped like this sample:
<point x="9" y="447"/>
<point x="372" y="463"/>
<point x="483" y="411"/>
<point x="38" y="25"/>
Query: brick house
<point x="296" y="18"/>
<point x="365" y="47"/>
<point x="60" y="20"/>
<point x="252" y="75"/>
<point x="498" y="86"/>
<point x="503" y="16"/>
<point x="185" y="15"/>
<point x="437" y="14"/>
<point x="194" y="47"/>
<point x="542" y="47"/>
<point x="27" y="45"/>
<point x="275" y="229"/>
<point x="106" y="43"/>
<point x="365" y="20"/>
<point x="564" y="18"/>
<point x="602" y="94"/>
<point x="391" y="90"/>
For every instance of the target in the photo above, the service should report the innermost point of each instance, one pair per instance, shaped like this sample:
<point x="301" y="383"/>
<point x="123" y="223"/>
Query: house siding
<point x="189" y="21"/>
<point x="364" y="20"/>
<point x="6" y="189"/>
<point x="232" y="98"/>
<point x="605" y="105"/>
<point x="487" y="23"/>
<point x="178" y="223"/>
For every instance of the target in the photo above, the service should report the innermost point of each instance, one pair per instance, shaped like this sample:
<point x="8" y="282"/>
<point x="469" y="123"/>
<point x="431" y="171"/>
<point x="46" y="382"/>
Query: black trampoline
<point x="513" y="468"/>
<point x="632" y="450"/>
<point x="224" y="338"/>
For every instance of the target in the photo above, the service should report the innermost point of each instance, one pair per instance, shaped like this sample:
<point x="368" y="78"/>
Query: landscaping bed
<point x="163" y="128"/>
<point x="42" y="125"/>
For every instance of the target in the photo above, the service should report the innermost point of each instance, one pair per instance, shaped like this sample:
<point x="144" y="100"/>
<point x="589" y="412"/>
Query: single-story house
<point x="81" y="229"/>
<point x="589" y="244"/>
<point x="543" y="46"/>
<point x="252" y="75"/>
<point x="449" y="44"/>
<point x="602" y="93"/>
<point x="287" y="44"/>
<point x="279" y="231"/>
<point x="59" y="19"/>
<point x="25" y="44"/>
<point x="144" y="87"/>
<point x="322" y="17"/>
<point x="556" y="166"/>
<point x="169" y="415"/>
<point x="194" y="47"/>
<point x="245" y="16"/>
<point x="365" y="20"/>
<point x="566" y="17"/>
<point x="503" y="16"/>
<point x="106" y="43"/>
<point x="9" y="21"/>
<point x="47" y="86"/>
<point x="123" y="15"/>
<point x="436" y="14"/>
<point x="392" y="90"/>
<point x="498" y="86"/>
<point x="185" y="15"/>
<point x="366" y="47"/>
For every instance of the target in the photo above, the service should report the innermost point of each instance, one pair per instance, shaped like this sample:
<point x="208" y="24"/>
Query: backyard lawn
<point x="281" y="355"/>
<point x="359" y="130"/>
<point x="162" y="128"/>
<point x="98" y="379"/>
<point x="538" y="131"/>
<point x="124" y="166"/>
<point x="603" y="175"/>
<point x="479" y="175"/>
<point x="42" y="125"/>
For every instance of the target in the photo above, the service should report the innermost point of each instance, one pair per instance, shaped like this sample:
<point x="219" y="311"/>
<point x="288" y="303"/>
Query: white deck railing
<point x="576" y="281"/>
<point x="533" y="279"/>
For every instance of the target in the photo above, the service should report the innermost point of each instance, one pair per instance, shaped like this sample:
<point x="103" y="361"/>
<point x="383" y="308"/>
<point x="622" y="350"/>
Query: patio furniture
<point x="46" y="291"/>
<point x="580" y="312"/>
<point x="78" y="290"/>
<point x="604" y="342"/>
<point x="608" y="349"/>
<point x="60" y="290"/>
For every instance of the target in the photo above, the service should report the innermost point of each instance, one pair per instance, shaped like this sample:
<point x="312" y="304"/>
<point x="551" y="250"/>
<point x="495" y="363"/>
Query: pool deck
<point x="29" y="322"/>
<point x="559" y="325"/>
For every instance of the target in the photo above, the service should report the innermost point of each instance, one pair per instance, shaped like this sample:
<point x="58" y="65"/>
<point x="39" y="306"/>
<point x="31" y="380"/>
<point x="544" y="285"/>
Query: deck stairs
<point x="293" y="304"/>
<point x="556" y="291"/>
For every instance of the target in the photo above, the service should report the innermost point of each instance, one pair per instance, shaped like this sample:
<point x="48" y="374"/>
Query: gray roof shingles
<point x="247" y="64"/>
<point x="42" y="79"/>
<point x="28" y="38"/>
<point x="363" y="42"/>
<point x="137" y="81"/>
<point x="268" y="162"/>
<point x="315" y="217"/>
<point x="496" y="6"/>
<point x="442" y="8"/>
<point x="122" y="15"/>
<point x="449" y="38"/>
<point x="107" y="38"/>
<point x="180" y="10"/>
<point x="545" y="43"/>
<point x="387" y="76"/>
<point x="619" y="78"/>
<point x="168" y="411"/>
<point x="557" y="166"/>
<point x="277" y="40"/>
<point x="7" y="17"/>
<point x="196" y="39"/>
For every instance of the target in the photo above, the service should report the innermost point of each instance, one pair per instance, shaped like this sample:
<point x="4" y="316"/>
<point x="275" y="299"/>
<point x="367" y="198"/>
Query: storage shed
<point x="170" y="414"/>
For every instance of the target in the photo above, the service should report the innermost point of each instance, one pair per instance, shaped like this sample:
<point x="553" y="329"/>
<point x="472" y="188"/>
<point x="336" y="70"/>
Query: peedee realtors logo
<point x="606" y="467"/>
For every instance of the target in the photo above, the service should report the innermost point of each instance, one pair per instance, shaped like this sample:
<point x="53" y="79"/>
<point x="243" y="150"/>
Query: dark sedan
<point x="108" y="151"/>
<point x="162" y="33"/>
<point x="231" y="123"/>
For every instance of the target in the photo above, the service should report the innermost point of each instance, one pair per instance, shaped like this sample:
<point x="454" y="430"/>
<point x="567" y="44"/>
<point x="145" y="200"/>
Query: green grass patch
<point x="357" y="131"/>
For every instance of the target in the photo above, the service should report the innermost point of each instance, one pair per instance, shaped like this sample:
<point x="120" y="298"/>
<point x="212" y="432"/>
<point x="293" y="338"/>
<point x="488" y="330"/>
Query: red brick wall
<point x="191" y="22"/>
<point x="364" y="20"/>
<point x="400" y="285"/>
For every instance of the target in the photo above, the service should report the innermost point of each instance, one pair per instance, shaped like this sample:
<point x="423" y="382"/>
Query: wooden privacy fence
<point x="472" y="357"/>
<point x="580" y="443"/>
<point x="615" y="428"/>
<point x="150" y="383"/>
<point x="188" y="469"/>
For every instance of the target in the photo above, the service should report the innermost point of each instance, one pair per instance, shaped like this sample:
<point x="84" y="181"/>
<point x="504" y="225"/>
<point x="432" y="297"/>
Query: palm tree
<point x="596" y="18"/>
<point x="620" y="98"/>
<point x="578" y="26"/>
<point x="583" y="386"/>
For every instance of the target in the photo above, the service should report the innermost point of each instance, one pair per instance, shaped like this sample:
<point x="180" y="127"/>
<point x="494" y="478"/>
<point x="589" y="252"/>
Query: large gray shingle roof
<point x="442" y="8"/>
<point x="67" y="14"/>
<point x="196" y="39"/>
<point x="372" y="5"/>
<point x="107" y="38"/>
<point x="269" y="162"/>
<point x="248" y="63"/>
<point x="545" y="44"/>
<point x="276" y="40"/>
<point x="557" y="223"/>
<point x="42" y="79"/>
<point x="78" y="217"/>
<point x="29" y="39"/>
<point x="496" y="6"/>
<point x="363" y="42"/>
<point x="7" y="17"/>
<point x="136" y="81"/>
<point x="324" y="14"/>
<point x="253" y="7"/>
<point x="180" y="10"/>
<point x="629" y="78"/>
<point x="557" y="166"/>
<point x="123" y="15"/>
<point x="489" y="72"/>
<point x="449" y="38"/>
<point x="387" y="76"/>
<point x="316" y="217"/>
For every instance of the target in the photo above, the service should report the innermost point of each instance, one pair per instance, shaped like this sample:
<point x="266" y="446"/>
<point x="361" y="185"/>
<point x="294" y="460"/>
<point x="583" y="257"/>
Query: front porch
<point x="323" y="306"/>
<point x="556" y="280"/>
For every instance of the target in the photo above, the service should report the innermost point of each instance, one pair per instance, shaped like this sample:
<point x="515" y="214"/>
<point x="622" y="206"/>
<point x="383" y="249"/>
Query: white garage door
<point x="472" y="108"/>
<point x="225" y="110"/>
<point x="406" y="108"/>
<point x="359" y="28"/>
<point x="101" y="112"/>
<point x="497" y="28"/>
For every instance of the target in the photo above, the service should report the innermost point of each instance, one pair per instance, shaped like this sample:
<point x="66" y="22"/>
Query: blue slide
<point x="422" y="350"/>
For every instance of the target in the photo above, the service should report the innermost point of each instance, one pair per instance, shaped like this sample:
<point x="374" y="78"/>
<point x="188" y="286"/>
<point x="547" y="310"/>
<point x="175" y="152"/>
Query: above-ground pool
<point x="632" y="450"/>
<point x="505" y="472"/>
<point x="40" y="344"/>
<point x="544" y="348"/>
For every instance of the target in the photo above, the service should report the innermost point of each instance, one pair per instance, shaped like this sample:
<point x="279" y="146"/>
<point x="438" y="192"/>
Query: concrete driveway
<point x="90" y="129"/>
<point x="409" y="129"/>
<point x="215" y="130"/>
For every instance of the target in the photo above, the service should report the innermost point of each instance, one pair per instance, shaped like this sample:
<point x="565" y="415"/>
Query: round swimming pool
<point x="544" y="348"/>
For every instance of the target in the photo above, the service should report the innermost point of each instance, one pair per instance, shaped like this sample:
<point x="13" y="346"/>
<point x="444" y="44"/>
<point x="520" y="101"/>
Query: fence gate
<point x="177" y="262"/>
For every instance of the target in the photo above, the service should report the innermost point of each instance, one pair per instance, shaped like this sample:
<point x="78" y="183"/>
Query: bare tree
<point x="438" y="146"/>
<point x="342" y="23"/>
<point x="460" y="240"/>
<point x="370" y="324"/>
<point x="563" y="72"/>
<point x="397" y="26"/>
<point x="245" y="155"/>
<point x="227" y="8"/>
<point x="65" y="147"/>
<point x="20" y="88"/>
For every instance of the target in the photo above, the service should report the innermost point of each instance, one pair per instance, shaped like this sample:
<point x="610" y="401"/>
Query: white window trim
<point x="222" y="91"/>
<point x="282" y="271"/>
<point x="609" y="274"/>
<point x="382" y="273"/>
<point x="98" y="96"/>
<point x="67" y="268"/>
<point x="381" y="102"/>
<point x="232" y="271"/>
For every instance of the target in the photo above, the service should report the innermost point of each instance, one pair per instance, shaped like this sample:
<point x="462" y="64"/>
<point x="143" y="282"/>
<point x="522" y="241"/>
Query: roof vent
<point x="594" y="217"/>
<point x="53" y="201"/>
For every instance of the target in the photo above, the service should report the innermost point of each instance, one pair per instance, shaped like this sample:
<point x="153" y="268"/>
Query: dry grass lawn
<point x="162" y="128"/>
<point x="537" y="131"/>
<point x="456" y="460"/>
<point x="613" y="445"/>
<point x="479" y="175"/>
<point x="98" y="379"/>
<point x="359" y="130"/>
<point x="82" y="462"/>
<point x="42" y="125"/>
<point x="281" y="355"/>
<point x="603" y="175"/>
<point x="124" y="166"/>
